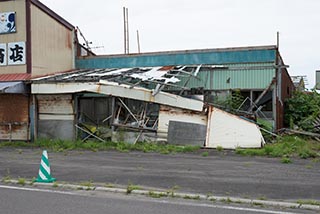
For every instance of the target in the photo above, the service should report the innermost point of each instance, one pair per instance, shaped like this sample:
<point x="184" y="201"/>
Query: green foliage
<point x="21" y="181"/>
<point x="311" y="202"/>
<point x="219" y="148"/>
<point x="132" y="187"/>
<point x="302" y="109"/>
<point x="286" y="146"/>
<point x="157" y="195"/>
<point x="231" y="102"/>
<point x="65" y="145"/>
<point x="205" y="154"/>
<point x="286" y="160"/>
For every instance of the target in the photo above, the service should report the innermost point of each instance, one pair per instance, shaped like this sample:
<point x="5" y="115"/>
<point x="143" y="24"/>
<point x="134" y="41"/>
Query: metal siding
<point x="52" y="47"/>
<point x="14" y="110"/>
<point x="187" y="58"/>
<point x="17" y="6"/>
<point x="56" y="116"/>
<point x="230" y="132"/>
<point x="55" y="105"/>
<point x="239" y="79"/>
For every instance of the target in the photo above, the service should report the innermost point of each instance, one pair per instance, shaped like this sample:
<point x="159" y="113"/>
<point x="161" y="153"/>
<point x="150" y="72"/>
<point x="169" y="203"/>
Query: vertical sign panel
<point x="3" y="54"/>
<point x="7" y="22"/>
<point x="16" y="53"/>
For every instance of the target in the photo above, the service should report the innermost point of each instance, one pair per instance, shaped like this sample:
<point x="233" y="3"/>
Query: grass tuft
<point x="287" y="146"/>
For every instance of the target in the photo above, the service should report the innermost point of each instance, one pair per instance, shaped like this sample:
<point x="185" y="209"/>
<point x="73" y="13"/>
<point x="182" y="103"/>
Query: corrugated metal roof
<point x="210" y="77"/>
<point x="235" y="76"/>
<point x="14" y="77"/>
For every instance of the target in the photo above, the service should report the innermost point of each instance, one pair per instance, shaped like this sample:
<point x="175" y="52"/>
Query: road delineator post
<point x="44" y="175"/>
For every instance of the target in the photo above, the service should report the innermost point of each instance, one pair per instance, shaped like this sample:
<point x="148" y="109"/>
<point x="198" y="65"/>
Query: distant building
<point x="299" y="82"/>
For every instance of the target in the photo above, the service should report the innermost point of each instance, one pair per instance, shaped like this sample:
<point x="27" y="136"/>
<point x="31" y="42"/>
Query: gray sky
<point x="166" y="25"/>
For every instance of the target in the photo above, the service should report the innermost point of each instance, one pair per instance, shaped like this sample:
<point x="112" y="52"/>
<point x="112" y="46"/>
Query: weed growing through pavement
<point x="88" y="185"/>
<point x="205" y="154"/>
<point x="171" y="191"/>
<point x="197" y="197"/>
<point x="132" y="187"/>
<point x="109" y="185"/>
<point x="157" y="195"/>
<point x="286" y="160"/>
<point x="21" y="181"/>
<point x="310" y="202"/>
<point x="219" y="148"/>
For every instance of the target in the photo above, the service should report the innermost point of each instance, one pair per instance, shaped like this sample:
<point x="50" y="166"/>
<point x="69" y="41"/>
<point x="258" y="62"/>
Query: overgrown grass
<point x="311" y="202"/>
<point x="287" y="146"/>
<point x="132" y="187"/>
<point x="64" y="145"/>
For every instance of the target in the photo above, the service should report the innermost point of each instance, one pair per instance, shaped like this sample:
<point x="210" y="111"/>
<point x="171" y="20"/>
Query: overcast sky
<point x="166" y="25"/>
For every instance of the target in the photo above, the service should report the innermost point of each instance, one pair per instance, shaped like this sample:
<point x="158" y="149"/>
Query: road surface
<point x="29" y="200"/>
<point x="221" y="174"/>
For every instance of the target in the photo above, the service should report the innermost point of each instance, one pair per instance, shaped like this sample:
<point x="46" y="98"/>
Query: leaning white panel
<point x="230" y="132"/>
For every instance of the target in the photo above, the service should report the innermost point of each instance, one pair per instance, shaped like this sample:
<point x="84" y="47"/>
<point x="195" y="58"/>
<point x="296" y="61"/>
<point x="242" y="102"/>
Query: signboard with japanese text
<point x="3" y="54"/>
<point x="13" y="53"/>
<point x="7" y="22"/>
<point x="16" y="53"/>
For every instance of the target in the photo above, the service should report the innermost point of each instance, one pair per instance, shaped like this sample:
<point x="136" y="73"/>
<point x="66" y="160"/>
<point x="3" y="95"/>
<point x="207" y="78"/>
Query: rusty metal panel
<point x="14" y="117"/>
<point x="52" y="47"/>
<point x="55" y="105"/>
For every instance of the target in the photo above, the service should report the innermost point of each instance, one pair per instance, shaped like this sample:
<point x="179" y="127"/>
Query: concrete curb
<point x="168" y="194"/>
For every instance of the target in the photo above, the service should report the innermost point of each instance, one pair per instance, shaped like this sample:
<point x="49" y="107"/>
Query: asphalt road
<point x="37" y="201"/>
<point x="218" y="174"/>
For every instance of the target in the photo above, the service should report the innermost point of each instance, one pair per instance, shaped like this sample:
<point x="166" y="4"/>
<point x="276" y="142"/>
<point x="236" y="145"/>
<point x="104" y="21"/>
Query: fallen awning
<point x="12" y="87"/>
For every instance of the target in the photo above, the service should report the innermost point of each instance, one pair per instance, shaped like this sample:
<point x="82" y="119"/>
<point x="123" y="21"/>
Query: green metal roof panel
<point x="224" y="79"/>
<point x="214" y="56"/>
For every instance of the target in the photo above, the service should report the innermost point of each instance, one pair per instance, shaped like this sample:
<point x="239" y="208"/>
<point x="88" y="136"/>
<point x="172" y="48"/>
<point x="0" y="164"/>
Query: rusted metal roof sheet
<point x="14" y="77"/>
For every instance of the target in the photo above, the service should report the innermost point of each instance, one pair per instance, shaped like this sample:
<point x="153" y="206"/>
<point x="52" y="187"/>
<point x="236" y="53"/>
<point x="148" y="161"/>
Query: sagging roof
<point x="177" y="78"/>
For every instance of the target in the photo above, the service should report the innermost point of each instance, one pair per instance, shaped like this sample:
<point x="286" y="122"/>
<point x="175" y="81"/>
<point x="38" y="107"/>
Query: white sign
<point x="16" y="53"/>
<point x="7" y="22"/>
<point x="3" y="54"/>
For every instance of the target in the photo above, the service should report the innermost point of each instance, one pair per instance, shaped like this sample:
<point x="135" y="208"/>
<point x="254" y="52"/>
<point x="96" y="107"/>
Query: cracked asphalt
<point x="220" y="173"/>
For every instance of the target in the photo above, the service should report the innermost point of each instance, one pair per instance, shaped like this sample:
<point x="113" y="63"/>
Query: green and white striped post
<point x="44" y="175"/>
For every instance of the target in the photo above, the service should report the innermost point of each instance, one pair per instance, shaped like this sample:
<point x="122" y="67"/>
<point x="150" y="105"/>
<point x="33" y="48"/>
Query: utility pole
<point x="138" y="41"/>
<point x="278" y="39"/>
<point x="126" y="30"/>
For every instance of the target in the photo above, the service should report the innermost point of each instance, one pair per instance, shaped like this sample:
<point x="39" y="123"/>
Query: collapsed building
<point x="94" y="103"/>
<point x="62" y="90"/>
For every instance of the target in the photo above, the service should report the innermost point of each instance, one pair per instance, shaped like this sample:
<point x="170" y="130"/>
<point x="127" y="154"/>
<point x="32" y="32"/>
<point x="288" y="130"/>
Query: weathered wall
<point x="18" y="6"/>
<point x="182" y="133"/>
<point x="14" y="110"/>
<point x="52" y="44"/>
<point x="167" y="114"/>
<point x="230" y="132"/>
<point x="56" y="117"/>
